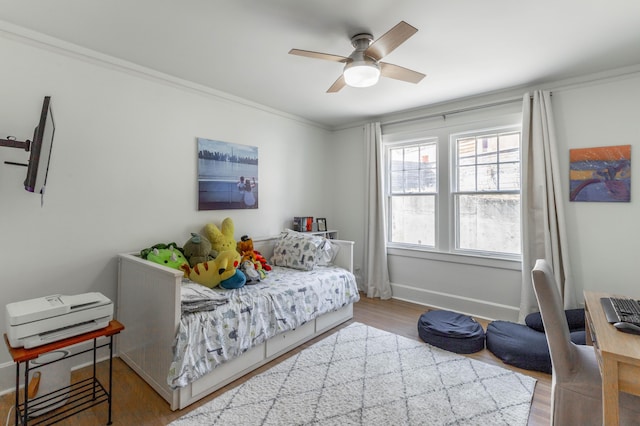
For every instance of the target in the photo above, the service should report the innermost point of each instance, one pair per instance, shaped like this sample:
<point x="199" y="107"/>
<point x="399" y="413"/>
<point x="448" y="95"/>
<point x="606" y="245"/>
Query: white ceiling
<point x="466" y="47"/>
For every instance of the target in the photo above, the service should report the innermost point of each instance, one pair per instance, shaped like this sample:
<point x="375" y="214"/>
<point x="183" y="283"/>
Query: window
<point x="455" y="190"/>
<point x="486" y="192"/>
<point x="412" y="192"/>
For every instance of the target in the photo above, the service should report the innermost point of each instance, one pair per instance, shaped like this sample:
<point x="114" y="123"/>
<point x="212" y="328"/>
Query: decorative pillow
<point x="296" y="250"/>
<point x="575" y="319"/>
<point x="327" y="253"/>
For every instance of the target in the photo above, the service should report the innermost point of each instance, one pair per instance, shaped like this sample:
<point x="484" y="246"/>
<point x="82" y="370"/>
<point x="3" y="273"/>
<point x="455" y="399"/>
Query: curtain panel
<point x="542" y="215"/>
<point x="376" y="271"/>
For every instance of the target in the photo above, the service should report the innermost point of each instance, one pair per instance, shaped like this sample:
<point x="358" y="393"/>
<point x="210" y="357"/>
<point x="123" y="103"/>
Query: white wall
<point x="602" y="236"/>
<point x="124" y="172"/>
<point x="347" y="165"/>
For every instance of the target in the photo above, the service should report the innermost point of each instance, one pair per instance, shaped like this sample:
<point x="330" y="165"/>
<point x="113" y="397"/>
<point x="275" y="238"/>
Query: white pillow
<point x="296" y="250"/>
<point x="327" y="252"/>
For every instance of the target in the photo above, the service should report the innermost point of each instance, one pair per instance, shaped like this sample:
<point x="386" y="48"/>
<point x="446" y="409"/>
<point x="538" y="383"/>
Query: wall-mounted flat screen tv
<point x="40" y="150"/>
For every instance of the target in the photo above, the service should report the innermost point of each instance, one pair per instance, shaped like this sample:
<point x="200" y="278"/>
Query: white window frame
<point x="454" y="191"/>
<point x="389" y="195"/>
<point x="414" y="131"/>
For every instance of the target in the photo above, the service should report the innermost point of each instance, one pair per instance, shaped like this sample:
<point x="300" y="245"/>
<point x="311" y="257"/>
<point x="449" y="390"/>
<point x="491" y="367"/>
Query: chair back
<point x="556" y="328"/>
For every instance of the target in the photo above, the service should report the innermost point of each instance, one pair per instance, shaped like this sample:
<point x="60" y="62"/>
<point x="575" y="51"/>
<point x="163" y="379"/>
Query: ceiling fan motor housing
<point x="361" y="70"/>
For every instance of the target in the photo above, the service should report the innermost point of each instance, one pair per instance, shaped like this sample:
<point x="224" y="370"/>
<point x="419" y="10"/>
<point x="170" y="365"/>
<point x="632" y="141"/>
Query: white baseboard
<point x="473" y="307"/>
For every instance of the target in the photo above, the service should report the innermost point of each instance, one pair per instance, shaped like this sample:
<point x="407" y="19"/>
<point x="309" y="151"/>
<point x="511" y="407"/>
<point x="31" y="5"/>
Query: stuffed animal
<point x="249" y="254"/>
<point x="261" y="259"/>
<point x="236" y="281"/>
<point x="250" y="272"/>
<point x="221" y="239"/>
<point x="198" y="250"/>
<point x="170" y="257"/>
<point x="145" y="252"/>
<point x="210" y="273"/>
<point x="245" y="248"/>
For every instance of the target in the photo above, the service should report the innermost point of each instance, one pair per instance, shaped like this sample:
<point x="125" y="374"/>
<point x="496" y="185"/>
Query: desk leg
<point x="610" y="392"/>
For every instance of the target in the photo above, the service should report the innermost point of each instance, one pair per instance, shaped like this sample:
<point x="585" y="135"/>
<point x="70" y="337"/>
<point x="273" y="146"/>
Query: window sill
<point x="465" y="259"/>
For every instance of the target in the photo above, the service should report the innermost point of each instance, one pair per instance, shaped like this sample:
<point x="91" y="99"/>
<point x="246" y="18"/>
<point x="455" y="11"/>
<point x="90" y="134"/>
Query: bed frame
<point x="149" y="306"/>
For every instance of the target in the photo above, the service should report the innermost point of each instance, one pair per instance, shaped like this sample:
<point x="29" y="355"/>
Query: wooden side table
<point x="81" y="395"/>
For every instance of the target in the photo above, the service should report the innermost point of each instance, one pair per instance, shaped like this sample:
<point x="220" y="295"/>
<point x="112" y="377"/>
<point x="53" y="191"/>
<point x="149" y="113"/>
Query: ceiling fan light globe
<point x="361" y="74"/>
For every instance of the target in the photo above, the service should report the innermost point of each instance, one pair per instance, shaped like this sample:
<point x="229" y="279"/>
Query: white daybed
<point x="149" y="304"/>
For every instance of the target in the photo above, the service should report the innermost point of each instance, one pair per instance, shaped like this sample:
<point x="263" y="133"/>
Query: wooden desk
<point x="618" y="357"/>
<point x="83" y="395"/>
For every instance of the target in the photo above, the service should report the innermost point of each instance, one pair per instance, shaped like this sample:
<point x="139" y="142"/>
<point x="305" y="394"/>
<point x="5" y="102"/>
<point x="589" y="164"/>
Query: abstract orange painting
<point x="600" y="174"/>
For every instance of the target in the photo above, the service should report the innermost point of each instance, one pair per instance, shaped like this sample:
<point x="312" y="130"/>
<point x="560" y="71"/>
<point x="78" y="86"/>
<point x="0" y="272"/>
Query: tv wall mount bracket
<point x="11" y="142"/>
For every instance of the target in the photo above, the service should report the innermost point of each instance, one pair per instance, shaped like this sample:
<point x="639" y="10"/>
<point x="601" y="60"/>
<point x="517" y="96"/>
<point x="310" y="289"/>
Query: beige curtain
<point x="376" y="272"/>
<point x="543" y="223"/>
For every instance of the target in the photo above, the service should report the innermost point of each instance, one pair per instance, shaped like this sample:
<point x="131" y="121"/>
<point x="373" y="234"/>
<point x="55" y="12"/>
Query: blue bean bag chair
<point x="525" y="345"/>
<point x="575" y="319"/>
<point x="451" y="331"/>
<point x="519" y="345"/>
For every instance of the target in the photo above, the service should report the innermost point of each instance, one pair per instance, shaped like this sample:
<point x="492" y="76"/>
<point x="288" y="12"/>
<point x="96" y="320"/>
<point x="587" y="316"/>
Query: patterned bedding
<point x="218" y="325"/>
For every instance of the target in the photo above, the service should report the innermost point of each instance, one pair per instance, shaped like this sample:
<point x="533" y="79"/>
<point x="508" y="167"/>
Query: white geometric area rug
<point x="365" y="376"/>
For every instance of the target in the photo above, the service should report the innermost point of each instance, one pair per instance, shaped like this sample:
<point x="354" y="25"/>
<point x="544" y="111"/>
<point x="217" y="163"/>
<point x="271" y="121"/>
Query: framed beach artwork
<point x="600" y="174"/>
<point x="227" y="175"/>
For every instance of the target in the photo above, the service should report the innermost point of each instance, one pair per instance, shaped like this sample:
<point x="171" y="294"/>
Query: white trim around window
<point x="444" y="245"/>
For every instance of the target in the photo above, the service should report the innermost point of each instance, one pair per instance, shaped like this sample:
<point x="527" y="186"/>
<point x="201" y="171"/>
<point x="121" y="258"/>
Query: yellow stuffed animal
<point x="211" y="273"/>
<point x="221" y="239"/>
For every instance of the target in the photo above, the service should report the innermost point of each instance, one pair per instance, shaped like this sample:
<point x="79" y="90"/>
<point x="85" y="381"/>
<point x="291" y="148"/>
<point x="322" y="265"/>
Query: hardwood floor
<point x="135" y="403"/>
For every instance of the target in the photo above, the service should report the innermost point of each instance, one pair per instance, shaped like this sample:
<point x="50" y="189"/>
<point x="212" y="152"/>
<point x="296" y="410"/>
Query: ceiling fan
<point x="363" y="67"/>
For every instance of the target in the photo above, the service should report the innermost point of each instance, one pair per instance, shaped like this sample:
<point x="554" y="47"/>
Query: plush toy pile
<point x="252" y="263"/>
<point x="213" y="259"/>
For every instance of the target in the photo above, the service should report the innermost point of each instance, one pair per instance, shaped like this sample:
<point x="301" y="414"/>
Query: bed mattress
<point x="218" y="325"/>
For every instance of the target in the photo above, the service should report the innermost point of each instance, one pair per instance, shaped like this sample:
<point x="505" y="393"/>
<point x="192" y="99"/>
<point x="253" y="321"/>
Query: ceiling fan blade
<point x="337" y="85"/>
<point x="390" y="40"/>
<point x="400" y="73"/>
<point x="318" y="55"/>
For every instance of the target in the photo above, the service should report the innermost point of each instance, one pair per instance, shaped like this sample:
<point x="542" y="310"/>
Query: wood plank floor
<point x="135" y="403"/>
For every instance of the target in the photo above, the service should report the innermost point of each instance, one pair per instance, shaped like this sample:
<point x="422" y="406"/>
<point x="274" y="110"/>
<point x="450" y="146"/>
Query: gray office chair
<point x="576" y="386"/>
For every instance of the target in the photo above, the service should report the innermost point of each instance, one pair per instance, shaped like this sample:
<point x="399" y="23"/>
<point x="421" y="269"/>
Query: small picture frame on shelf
<point x="322" y="224"/>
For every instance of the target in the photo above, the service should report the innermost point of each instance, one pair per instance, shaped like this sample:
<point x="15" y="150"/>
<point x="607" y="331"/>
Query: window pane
<point x="488" y="177"/>
<point x="467" y="178"/>
<point x="510" y="141"/>
<point x="488" y="222"/>
<point x="413" y="220"/>
<point x="466" y="149"/>
<point x="428" y="180"/>
<point x="397" y="182"/>
<point x="487" y="149"/>
<point x="510" y="176"/>
<point x="510" y="147"/>
<point x="509" y="155"/>
<point x="397" y="158"/>
<point x="412" y="181"/>
<point x="412" y="158"/>
<point x="428" y="155"/>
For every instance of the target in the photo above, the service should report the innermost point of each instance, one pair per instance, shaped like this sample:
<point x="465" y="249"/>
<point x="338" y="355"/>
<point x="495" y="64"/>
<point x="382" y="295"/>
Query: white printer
<point x="35" y="322"/>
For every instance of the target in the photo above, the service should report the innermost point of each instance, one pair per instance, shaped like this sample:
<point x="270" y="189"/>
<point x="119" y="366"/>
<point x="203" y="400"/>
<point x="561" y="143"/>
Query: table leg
<point x="110" y="394"/>
<point x="17" y="406"/>
<point x="94" y="366"/>
<point x="610" y="392"/>
<point x="26" y="394"/>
